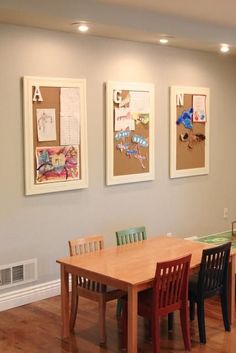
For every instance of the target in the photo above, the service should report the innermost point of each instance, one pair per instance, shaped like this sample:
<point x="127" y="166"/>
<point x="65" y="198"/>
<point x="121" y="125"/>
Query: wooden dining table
<point x="131" y="268"/>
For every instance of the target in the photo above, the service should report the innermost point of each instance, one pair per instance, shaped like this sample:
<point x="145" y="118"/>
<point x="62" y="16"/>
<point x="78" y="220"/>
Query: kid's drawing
<point x="186" y="118"/>
<point x="58" y="163"/>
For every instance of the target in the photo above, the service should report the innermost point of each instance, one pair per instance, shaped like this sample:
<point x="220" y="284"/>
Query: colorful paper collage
<point x="60" y="163"/>
<point x="190" y="116"/>
<point x="130" y="109"/>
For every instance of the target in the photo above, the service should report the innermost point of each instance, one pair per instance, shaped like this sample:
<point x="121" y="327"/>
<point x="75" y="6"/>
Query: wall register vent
<point x="18" y="273"/>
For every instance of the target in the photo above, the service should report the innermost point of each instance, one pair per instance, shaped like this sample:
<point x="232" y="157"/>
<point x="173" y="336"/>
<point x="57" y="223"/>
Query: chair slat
<point x="130" y="235"/>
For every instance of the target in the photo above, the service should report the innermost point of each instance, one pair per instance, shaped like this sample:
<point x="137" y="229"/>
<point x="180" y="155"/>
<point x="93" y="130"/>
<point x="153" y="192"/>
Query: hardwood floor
<point x="35" y="328"/>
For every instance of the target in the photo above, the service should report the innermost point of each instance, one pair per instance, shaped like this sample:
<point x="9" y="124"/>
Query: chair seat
<point x="193" y="287"/>
<point x="145" y="306"/>
<point x="95" y="286"/>
<point x="109" y="293"/>
<point x="112" y="289"/>
<point x="145" y="303"/>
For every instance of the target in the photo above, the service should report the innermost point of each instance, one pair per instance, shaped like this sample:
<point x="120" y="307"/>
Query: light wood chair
<point x="86" y="288"/>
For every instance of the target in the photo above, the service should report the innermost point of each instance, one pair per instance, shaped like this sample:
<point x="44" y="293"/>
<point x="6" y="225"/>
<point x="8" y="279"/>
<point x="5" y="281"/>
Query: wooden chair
<point x="130" y="235"/>
<point x="212" y="279"/>
<point x="169" y="293"/>
<point x="123" y="237"/>
<point x="84" y="287"/>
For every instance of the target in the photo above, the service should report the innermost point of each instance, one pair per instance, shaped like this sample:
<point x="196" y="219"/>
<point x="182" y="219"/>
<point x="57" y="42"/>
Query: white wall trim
<point x="29" y="294"/>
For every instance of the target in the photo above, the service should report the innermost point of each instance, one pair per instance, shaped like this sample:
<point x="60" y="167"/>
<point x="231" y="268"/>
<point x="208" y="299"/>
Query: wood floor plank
<point x="36" y="328"/>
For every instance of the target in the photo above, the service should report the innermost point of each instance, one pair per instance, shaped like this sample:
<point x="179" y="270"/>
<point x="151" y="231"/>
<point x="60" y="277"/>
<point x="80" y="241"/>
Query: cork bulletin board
<point x="55" y="134"/>
<point x="129" y="132"/>
<point x="189" y="131"/>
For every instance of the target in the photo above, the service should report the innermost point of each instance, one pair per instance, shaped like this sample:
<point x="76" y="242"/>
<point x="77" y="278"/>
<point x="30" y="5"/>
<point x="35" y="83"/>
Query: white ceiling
<point x="216" y="12"/>
<point x="195" y="24"/>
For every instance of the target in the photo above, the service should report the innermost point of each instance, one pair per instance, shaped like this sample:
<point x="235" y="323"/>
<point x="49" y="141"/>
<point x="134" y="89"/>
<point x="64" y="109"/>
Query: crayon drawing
<point x="59" y="163"/>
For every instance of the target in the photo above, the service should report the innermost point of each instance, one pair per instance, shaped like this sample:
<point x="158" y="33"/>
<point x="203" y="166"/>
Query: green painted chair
<point x="123" y="237"/>
<point x="130" y="235"/>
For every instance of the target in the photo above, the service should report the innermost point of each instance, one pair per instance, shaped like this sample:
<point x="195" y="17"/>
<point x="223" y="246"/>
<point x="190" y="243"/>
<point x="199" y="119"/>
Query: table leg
<point x="65" y="302"/>
<point x="132" y="320"/>
<point x="232" y="289"/>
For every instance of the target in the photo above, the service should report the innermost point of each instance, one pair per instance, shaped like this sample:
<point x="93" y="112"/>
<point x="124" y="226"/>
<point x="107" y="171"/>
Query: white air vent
<point x="18" y="273"/>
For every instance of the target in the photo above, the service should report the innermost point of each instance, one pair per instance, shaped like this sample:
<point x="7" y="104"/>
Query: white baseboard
<point x="29" y="294"/>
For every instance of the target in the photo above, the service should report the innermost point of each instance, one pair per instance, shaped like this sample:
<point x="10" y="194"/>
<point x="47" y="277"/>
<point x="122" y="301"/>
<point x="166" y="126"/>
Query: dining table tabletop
<point x="131" y="267"/>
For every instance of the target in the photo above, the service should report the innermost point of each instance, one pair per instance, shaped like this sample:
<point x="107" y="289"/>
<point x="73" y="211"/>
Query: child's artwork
<point x="189" y="131"/>
<point x="130" y="132"/>
<point x="55" y="134"/>
<point x="46" y="124"/>
<point x="57" y="163"/>
<point x="199" y="109"/>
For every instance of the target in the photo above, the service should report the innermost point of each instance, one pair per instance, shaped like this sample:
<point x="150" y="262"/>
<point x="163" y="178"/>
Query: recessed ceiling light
<point x="224" y="48"/>
<point x="164" y="40"/>
<point x="83" y="27"/>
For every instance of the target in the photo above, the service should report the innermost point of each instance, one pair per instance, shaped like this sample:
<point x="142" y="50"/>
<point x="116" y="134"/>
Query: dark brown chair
<point x="84" y="287"/>
<point x="212" y="279"/>
<point x="169" y="293"/>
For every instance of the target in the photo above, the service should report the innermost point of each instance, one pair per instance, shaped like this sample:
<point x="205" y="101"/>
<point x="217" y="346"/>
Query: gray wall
<point x="39" y="226"/>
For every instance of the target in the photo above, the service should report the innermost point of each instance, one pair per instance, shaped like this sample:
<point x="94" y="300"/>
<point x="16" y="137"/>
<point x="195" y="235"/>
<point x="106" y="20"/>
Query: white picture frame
<point x="176" y="95"/>
<point x="146" y="93"/>
<point x="32" y="87"/>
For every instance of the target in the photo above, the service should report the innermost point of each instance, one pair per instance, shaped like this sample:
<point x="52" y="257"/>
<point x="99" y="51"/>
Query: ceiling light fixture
<point x="224" y="48"/>
<point x="83" y="27"/>
<point x="164" y="40"/>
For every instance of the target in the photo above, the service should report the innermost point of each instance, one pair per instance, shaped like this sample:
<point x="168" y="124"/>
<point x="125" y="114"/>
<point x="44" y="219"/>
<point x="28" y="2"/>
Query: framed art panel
<point x="55" y="134"/>
<point x="189" y="131"/>
<point x="129" y="132"/>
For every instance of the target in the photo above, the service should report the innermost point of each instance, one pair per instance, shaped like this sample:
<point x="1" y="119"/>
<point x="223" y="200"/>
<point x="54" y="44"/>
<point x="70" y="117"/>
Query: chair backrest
<point x="170" y="288"/>
<point x="85" y="245"/>
<point x="82" y="246"/>
<point x="130" y="235"/>
<point x="213" y="274"/>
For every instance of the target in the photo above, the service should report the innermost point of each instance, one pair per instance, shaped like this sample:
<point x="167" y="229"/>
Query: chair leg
<point x="225" y="311"/>
<point x="184" y="319"/>
<point x="119" y="306"/>
<point x="170" y="321"/>
<point x="124" y="321"/>
<point x="201" y="321"/>
<point x="192" y="309"/>
<point x="148" y="328"/>
<point x="156" y="334"/>
<point x="74" y="302"/>
<point x="102" y="320"/>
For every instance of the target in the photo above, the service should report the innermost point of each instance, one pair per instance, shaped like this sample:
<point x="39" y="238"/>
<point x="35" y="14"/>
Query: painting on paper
<point x="60" y="163"/>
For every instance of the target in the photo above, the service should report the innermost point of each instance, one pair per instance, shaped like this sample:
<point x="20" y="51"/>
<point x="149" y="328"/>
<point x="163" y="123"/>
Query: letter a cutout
<point x="37" y="95"/>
